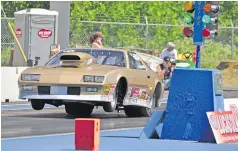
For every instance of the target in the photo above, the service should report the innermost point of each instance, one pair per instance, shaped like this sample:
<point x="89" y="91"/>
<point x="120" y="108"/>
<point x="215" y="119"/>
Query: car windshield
<point x="104" y="57"/>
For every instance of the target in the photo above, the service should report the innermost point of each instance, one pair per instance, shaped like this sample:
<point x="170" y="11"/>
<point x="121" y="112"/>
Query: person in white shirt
<point x="170" y="51"/>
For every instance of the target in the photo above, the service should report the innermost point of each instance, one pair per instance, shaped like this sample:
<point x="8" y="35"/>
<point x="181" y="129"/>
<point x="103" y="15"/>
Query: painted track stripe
<point x="63" y="134"/>
<point x="15" y="104"/>
<point x="24" y="107"/>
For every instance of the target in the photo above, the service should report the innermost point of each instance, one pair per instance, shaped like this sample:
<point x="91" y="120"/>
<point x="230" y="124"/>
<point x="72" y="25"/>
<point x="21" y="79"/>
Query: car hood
<point x="57" y="70"/>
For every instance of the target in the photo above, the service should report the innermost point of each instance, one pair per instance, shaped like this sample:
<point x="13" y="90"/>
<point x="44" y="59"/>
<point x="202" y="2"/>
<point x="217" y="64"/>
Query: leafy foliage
<point x="5" y="56"/>
<point x="134" y="36"/>
<point x="11" y="6"/>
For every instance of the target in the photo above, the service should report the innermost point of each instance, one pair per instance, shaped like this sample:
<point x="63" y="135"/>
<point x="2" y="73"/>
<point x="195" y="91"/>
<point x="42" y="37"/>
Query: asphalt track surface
<point x="21" y="122"/>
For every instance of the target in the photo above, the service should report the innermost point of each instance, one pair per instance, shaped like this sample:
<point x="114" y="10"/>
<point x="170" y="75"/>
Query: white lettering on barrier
<point x="228" y="123"/>
<point x="224" y="125"/>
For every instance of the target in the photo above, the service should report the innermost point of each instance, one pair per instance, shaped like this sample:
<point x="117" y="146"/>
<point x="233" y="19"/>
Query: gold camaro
<point x="83" y="78"/>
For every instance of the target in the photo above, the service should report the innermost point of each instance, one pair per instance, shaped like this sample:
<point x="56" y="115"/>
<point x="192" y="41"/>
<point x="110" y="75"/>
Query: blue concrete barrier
<point x="159" y="128"/>
<point x="149" y="131"/>
<point x="193" y="92"/>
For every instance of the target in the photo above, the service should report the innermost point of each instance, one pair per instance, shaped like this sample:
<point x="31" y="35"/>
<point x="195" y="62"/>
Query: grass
<point x="230" y="73"/>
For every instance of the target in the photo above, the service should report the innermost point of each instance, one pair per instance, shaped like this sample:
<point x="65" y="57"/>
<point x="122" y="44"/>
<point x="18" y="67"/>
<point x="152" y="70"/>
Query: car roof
<point x="105" y="49"/>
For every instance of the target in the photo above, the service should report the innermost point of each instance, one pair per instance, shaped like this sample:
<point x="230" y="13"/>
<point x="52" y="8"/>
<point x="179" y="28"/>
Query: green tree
<point x="10" y="7"/>
<point x="134" y="36"/>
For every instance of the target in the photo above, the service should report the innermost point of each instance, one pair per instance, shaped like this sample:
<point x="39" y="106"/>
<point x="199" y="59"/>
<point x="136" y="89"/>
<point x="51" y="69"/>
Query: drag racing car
<point x="81" y="79"/>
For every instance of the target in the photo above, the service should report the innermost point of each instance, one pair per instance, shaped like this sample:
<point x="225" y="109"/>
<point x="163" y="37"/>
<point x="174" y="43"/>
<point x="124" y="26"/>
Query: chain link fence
<point x="116" y="35"/>
<point x="141" y="36"/>
<point x="155" y="37"/>
<point x="7" y="40"/>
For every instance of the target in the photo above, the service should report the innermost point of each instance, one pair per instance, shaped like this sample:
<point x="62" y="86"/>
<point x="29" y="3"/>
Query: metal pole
<point x="232" y="39"/>
<point x="146" y="33"/>
<point x="198" y="57"/>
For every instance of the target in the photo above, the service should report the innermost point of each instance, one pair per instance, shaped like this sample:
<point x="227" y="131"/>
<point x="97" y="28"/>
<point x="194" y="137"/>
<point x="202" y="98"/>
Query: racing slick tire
<point x="158" y="94"/>
<point x="79" y="109"/>
<point x="134" y="111"/>
<point x="131" y="111"/>
<point x="37" y="104"/>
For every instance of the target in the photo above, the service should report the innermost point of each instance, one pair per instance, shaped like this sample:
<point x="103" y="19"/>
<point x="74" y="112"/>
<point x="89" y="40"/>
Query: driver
<point x="119" y="61"/>
<point x="165" y="70"/>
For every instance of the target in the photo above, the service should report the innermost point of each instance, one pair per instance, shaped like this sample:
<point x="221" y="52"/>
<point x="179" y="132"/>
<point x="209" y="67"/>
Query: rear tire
<point x="131" y="111"/>
<point x="136" y="111"/>
<point x="158" y="94"/>
<point x="79" y="109"/>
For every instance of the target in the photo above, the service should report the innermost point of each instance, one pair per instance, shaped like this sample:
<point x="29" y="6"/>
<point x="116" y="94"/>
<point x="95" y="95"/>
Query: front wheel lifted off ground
<point x="118" y="96"/>
<point x="37" y="104"/>
<point x="78" y="109"/>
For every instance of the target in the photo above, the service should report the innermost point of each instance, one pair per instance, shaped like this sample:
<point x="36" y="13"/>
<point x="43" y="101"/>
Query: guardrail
<point x="9" y="85"/>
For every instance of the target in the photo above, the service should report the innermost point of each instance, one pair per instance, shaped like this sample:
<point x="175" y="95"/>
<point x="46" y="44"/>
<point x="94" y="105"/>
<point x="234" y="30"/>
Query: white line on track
<point x="31" y="108"/>
<point x="63" y="134"/>
<point x="15" y="105"/>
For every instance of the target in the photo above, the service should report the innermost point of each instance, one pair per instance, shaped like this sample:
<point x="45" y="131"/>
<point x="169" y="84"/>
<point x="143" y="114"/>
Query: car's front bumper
<point x="61" y="93"/>
<point x="105" y="94"/>
<point x="97" y="98"/>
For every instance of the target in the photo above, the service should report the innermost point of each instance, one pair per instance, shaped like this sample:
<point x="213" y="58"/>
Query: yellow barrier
<point x="151" y="56"/>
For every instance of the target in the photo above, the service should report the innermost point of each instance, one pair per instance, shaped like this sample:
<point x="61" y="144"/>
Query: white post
<point x="63" y="7"/>
<point x="146" y="33"/>
<point x="232" y="38"/>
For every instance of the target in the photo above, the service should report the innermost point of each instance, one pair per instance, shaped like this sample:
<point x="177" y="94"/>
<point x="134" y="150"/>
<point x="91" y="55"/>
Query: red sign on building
<point x="224" y="125"/>
<point x="44" y="33"/>
<point x="18" y="32"/>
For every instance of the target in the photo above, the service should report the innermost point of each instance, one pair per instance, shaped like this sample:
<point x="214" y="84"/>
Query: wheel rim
<point x="113" y="103"/>
<point x="151" y="109"/>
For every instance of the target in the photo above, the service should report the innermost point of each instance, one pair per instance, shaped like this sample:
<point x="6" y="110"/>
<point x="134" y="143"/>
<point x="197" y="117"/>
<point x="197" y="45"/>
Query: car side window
<point x="135" y="62"/>
<point x="54" y="60"/>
